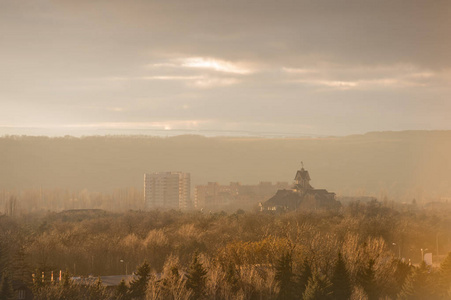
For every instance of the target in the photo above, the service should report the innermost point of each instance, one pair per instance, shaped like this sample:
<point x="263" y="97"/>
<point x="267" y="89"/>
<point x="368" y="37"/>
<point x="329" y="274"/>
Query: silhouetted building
<point x="301" y="196"/>
<point x="167" y="190"/>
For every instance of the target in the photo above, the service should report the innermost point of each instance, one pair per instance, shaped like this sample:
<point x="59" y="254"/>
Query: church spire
<point x="302" y="179"/>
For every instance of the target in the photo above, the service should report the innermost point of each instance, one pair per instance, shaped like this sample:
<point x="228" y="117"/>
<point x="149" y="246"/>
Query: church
<point x="301" y="197"/>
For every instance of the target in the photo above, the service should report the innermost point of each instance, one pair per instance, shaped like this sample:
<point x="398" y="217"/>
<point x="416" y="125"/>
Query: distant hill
<point x="410" y="164"/>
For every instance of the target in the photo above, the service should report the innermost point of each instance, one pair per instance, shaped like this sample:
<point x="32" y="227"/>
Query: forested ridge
<point x="350" y="253"/>
<point x="401" y="165"/>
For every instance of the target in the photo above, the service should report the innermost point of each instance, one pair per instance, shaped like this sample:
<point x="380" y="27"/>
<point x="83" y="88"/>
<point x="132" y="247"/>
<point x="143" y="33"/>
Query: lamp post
<point x="422" y="253"/>
<point x="126" y="266"/>
<point x="436" y="240"/>
<point x="399" y="250"/>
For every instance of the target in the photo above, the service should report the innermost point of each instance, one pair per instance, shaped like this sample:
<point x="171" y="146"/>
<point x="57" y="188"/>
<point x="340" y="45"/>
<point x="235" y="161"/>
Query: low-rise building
<point x="301" y="196"/>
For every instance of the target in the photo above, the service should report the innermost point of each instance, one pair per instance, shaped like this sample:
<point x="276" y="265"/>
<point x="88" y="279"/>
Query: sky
<point x="267" y="67"/>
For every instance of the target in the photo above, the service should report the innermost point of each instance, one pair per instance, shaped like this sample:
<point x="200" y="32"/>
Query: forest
<point x="359" y="251"/>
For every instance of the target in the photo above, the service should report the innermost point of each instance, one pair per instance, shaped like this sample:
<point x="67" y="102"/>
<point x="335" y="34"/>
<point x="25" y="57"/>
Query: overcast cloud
<point x="295" y="67"/>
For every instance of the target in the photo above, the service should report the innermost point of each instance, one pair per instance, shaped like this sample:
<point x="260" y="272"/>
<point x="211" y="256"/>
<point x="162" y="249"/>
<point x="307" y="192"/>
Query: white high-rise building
<point x="167" y="190"/>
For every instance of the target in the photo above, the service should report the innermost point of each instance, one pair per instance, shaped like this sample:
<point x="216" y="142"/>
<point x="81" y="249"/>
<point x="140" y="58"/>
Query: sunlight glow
<point x="214" y="64"/>
<point x="171" y="77"/>
<point x="166" y="125"/>
<point x="298" y="71"/>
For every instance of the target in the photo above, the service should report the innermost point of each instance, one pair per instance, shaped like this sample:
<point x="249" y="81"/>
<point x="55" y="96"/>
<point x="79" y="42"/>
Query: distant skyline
<point x="216" y="67"/>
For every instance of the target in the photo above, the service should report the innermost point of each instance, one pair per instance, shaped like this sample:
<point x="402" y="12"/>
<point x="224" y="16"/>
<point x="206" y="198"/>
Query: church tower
<point x="302" y="179"/>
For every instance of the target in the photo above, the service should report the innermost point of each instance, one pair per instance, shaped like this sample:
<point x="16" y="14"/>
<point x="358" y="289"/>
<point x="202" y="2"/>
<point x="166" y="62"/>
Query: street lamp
<point x="399" y="250"/>
<point x="126" y="266"/>
<point x="436" y="239"/>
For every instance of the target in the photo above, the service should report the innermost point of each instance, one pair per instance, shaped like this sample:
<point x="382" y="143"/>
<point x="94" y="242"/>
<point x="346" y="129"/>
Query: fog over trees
<point x="400" y="165"/>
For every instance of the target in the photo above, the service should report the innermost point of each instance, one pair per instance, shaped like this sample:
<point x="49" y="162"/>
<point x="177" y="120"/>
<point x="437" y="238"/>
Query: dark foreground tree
<point x="170" y="283"/>
<point x="368" y="281"/>
<point x="196" y="278"/>
<point x="121" y="292"/>
<point x="341" y="282"/>
<point x="138" y="286"/>
<point x="303" y="278"/>
<point x="284" y="277"/>
<point x="445" y="277"/>
<point x="418" y="285"/>
<point x="98" y="291"/>
<point x="402" y="271"/>
<point x="318" y="287"/>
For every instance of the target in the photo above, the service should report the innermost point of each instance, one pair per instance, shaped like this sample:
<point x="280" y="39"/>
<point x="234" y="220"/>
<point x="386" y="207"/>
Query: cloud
<point x="163" y="65"/>
<point x="298" y="71"/>
<point x="342" y="85"/>
<point x="166" y="125"/>
<point x="214" y="64"/>
<point x="174" y="77"/>
<point x="210" y="82"/>
<point x="203" y="63"/>
<point x="68" y="61"/>
<point x="203" y="72"/>
<point x="205" y="81"/>
<point x="344" y="77"/>
<point x="194" y="81"/>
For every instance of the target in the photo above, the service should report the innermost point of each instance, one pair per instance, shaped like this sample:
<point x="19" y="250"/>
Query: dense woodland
<point x="353" y="252"/>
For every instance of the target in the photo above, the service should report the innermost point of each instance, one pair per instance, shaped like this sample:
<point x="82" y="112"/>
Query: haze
<point x="225" y="149"/>
<point x="401" y="166"/>
<point x="287" y="68"/>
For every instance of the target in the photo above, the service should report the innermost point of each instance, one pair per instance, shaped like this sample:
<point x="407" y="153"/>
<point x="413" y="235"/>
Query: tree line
<point x="360" y="251"/>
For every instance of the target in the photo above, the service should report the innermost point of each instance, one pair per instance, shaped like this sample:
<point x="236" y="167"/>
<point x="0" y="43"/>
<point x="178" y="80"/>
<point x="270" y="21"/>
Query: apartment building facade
<point x="167" y="190"/>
